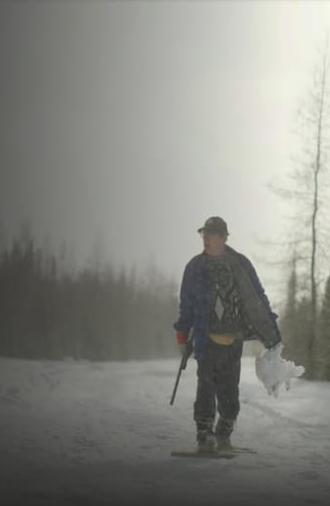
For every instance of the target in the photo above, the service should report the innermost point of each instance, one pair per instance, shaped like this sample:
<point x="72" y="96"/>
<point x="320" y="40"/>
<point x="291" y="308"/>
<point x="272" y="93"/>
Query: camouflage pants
<point x="218" y="376"/>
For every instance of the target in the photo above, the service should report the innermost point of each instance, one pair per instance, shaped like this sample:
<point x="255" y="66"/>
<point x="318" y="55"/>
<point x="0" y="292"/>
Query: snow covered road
<point x="83" y="433"/>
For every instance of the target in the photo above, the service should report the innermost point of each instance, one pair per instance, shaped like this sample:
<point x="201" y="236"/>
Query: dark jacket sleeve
<point x="185" y="320"/>
<point x="261" y="291"/>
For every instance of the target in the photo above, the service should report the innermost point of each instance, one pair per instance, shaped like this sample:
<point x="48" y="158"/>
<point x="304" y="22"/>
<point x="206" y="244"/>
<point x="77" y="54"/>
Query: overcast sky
<point x="130" y="123"/>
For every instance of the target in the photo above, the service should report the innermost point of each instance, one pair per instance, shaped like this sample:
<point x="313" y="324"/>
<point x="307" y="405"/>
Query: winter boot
<point x="223" y="443"/>
<point x="206" y="441"/>
<point x="223" y="430"/>
<point x="205" y="436"/>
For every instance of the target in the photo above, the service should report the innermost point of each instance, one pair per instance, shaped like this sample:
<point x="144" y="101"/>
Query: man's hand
<point x="182" y="348"/>
<point x="186" y="349"/>
<point x="276" y="347"/>
<point x="185" y="346"/>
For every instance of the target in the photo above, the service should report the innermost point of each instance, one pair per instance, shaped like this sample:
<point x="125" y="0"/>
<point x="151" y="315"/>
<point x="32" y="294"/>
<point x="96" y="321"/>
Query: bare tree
<point x="308" y="191"/>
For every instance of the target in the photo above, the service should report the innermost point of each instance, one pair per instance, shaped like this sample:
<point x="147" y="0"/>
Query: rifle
<point x="182" y="366"/>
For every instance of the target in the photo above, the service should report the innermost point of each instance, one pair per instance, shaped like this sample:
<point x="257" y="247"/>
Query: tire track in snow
<point x="277" y="417"/>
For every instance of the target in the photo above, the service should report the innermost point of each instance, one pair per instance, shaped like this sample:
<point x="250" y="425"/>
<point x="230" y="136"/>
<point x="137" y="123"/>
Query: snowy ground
<point x="101" y="434"/>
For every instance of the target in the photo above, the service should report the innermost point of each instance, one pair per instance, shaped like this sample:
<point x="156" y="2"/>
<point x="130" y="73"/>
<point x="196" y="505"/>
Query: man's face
<point x="213" y="241"/>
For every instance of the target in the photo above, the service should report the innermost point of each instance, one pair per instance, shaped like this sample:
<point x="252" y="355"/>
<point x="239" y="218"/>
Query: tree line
<point x="48" y="312"/>
<point x="299" y="323"/>
<point x="96" y="314"/>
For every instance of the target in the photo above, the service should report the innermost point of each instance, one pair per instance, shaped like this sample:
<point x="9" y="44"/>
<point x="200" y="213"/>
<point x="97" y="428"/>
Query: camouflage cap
<point x="214" y="224"/>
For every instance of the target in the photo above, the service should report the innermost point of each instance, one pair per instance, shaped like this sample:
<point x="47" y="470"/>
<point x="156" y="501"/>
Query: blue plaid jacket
<point x="195" y="302"/>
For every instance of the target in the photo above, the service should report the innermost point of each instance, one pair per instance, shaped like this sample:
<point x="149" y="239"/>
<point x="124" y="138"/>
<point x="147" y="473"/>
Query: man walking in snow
<point x="223" y="301"/>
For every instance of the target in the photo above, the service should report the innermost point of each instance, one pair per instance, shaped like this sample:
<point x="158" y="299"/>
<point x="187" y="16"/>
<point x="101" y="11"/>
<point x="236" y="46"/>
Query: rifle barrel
<point x="177" y="380"/>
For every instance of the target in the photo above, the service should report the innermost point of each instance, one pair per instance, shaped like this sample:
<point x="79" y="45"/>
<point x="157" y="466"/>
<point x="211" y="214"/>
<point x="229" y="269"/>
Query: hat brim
<point x="202" y="229"/>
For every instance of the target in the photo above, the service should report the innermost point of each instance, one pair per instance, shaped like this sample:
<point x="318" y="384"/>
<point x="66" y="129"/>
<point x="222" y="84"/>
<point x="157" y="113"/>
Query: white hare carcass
<point x="273" y="370"/>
